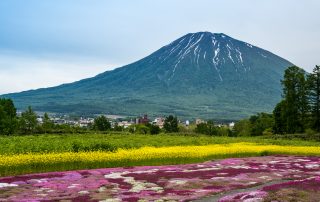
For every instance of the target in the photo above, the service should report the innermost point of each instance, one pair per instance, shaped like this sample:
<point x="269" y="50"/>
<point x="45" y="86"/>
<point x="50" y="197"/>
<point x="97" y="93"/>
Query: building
<point x="198" y="121"/>
<point x="142" y="120"/>
<point x="85" y="122"/>
<point x="231" y="125"/>
<point x="159" y="122"/>
<point x="125" y="124"/>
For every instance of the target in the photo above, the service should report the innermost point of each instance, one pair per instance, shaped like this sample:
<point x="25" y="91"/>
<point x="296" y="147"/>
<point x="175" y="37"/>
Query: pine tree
<point x="28" y="121"/>
<point x="8" y="118"/>
<point x="47" y="124"/>
<point x="279" y="119"/>
<point x="314" y="97"/>
<point x="171" y="124"/>
<point x="295" y="98"/>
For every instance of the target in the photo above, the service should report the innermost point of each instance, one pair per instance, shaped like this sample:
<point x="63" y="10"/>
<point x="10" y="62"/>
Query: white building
<point x="231" y="125"/>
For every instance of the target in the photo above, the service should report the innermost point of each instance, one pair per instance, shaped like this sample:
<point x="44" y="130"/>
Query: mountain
<point x="200" y="75"/>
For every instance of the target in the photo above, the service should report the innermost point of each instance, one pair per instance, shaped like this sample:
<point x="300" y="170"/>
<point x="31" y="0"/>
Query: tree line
<point x="28" y="123"/>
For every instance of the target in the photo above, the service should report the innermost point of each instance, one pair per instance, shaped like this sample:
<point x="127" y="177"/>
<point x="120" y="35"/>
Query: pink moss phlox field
<point x="174" y="183"/>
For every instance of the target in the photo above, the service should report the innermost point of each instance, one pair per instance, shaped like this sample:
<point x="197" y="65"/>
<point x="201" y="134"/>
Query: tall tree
<point x="101" y="123"/>
<point x="279" y="119"/>
<point x="243" y="128"/>
<point x="28" y="121"/>
<point x="47" y="124"/>
<point x="207" y="128"/>
<point x="295" y="97"/>
<point x="260" y="123"/>
<point x="314" y="97"/>
<point x="171" y="124"/>
<point x="8" y="118"/>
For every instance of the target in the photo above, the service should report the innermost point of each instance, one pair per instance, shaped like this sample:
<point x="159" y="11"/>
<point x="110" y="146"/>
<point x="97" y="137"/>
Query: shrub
<point x="310" y="132"/>
<point x="267" y="132"/>
<point x="76" y="147"/>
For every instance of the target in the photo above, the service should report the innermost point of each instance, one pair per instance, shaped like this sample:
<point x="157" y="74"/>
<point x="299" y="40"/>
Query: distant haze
<point x="46" y="43"/>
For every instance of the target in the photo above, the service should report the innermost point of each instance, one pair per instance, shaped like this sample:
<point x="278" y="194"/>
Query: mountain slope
<point x="198" y="75"/>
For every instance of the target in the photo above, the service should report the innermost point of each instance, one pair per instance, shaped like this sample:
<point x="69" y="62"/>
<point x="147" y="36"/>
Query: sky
<point x="47" y="43"/>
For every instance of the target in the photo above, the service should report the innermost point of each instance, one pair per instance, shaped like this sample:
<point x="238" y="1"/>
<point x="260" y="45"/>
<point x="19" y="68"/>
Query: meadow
<point x="47" y="143"/>
<point x="44" y="153"/>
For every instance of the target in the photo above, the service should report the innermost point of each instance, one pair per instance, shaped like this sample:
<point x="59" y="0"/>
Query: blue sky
<point x="45" y="43"/>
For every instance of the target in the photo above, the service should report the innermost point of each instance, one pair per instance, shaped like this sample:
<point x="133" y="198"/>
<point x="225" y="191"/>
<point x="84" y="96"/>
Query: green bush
<point x="267" y="132"/>
<point x="76" y="147"/>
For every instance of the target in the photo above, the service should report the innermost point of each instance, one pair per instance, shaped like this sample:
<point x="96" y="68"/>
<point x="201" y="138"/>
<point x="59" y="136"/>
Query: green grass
<point x="108" y="142"/>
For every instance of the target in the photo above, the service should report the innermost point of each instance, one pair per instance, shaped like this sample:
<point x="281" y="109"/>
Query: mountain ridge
<point x="200" y="74"/>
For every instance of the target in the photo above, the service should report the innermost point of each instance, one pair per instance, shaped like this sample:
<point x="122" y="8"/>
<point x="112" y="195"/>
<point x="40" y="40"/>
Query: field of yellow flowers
<point x="44" y="162"/>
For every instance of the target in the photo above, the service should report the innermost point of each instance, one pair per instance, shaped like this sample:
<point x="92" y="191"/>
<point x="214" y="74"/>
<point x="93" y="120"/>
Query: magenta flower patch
<point x="242" y="179"/>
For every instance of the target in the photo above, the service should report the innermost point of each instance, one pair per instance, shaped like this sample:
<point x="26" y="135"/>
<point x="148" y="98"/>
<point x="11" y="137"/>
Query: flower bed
<point x="46" y="162"/>
<point x="297" y="177"/>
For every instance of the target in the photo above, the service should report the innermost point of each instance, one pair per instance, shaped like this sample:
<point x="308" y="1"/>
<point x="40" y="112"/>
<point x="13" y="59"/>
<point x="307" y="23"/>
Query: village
<point x="122" y="121"/>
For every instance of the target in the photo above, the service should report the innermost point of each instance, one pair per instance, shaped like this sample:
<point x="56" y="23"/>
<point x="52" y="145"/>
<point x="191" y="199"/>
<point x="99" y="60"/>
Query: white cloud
<point x="20" y="73"/>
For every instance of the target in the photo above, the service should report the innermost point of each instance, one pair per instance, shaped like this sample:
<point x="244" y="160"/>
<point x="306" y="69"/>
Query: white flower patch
<point x="217" y="178"/>
<point x="143" y="200"/>
<point x="301" y="160"/>
<point x="50" y="191"/>
<point x="202" y="169"/>
<point x="43" y="195"/>
<point x="222" y="173"/>
<point x="253" y="200"/>
<point x="146" y="171"/>
<point x="240" y="167"/>
<point x="41" y="189"/>
<point x="265" y="177"/>
<point x="71" y="187"/>
<point x="2" y="185"/>
<point x="179" y="182"/>
<point x="251" y="183"/>
<point x="136" y="185"/>
<point x="201" y="190"/>
<point x="144" y="186"/>
<point x="111" y="200"/>
<point x="83" y="192"/>
<point x="312" y="166"/>
<point x="115" y="175"/>
<point x="37" y="181"/>
<point x="298" y="165"/>
<point x="102" y="189"/>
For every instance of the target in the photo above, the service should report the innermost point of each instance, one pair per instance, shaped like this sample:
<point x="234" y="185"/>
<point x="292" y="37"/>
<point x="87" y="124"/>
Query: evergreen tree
<point x="260" y="123"/>
<point x="8" y="118"/>
<point x="279" y="119"/>
<point x="295" y="98"/>
<point x="314" y="97"/>
<point x="28" y="121"/>
<point x="171" y="124"/>
<point x="47" y="124"/>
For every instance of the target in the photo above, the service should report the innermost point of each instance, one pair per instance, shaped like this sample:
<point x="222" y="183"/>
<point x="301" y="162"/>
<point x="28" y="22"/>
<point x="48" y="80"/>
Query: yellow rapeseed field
<point x="25" y="163"/>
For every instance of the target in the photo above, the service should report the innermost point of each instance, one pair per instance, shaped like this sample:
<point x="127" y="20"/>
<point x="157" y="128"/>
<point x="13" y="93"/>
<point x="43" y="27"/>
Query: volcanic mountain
<point x="200" y="75"/>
